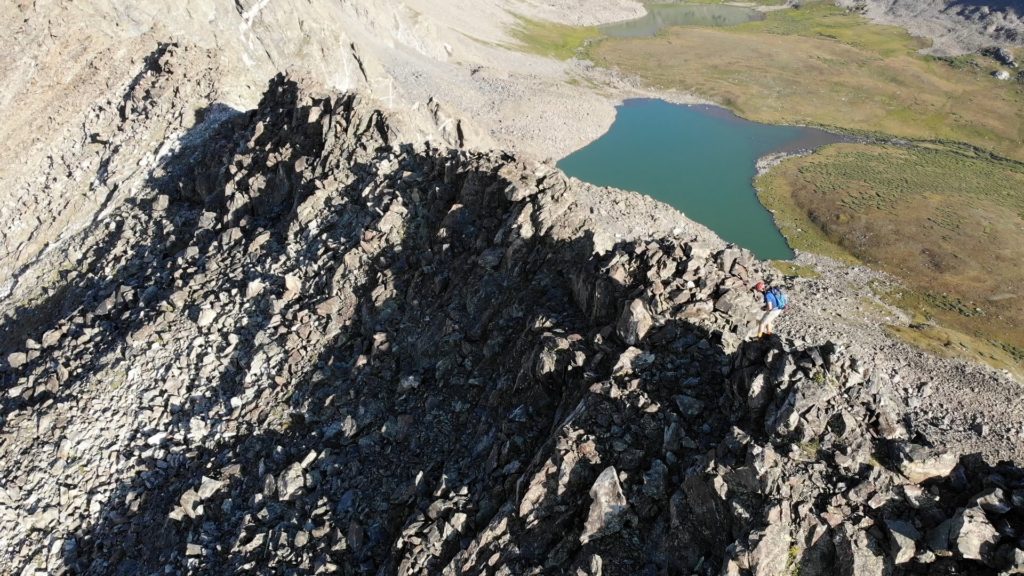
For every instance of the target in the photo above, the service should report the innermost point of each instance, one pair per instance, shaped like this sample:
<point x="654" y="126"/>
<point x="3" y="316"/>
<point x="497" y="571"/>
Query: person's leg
<point x="770" y="317"/>
<point x="764" y="326"/>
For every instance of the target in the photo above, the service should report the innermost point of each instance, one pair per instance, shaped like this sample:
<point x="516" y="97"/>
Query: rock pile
<point x="313" y="345"/>
<point x="1001" y="55"/>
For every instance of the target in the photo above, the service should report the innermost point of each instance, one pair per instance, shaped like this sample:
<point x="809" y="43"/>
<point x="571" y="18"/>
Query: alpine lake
<point x="699" y="159"/>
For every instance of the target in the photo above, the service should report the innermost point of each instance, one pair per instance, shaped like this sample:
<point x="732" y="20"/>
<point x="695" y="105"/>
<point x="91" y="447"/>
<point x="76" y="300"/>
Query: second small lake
<point x="700" y="160"/>
<point x="661" y="16"/>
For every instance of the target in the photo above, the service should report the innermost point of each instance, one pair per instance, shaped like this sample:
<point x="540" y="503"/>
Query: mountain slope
<point x="310" y="342"/>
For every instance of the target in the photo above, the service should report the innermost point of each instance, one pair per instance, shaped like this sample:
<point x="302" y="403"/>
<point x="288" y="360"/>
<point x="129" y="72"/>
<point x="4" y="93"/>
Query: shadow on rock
<point x="125" y="280"/>
<point x="385" y="358"/>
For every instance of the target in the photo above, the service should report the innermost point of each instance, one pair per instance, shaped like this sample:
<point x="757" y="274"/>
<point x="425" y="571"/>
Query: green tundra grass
<point x="551" y="39"/>
<point x="948" y="221"/>
<point x="819" y="65"/>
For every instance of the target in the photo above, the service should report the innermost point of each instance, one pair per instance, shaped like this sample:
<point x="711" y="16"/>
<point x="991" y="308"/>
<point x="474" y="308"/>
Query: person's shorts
<point x="770" y="316"/>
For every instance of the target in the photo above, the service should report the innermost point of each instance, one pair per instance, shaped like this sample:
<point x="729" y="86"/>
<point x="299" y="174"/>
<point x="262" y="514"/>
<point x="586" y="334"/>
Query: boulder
<point x="817" y="551"/>
<point x="771" y="555"/>
<point x="654" y="480"/>
<point x="707" y="511"/>
<point x="609" y="507"/>
<point x="727" y="257"/>
<point x="634" y="323"/>
<point x="161" y="202"/>
<point x="858" y="553"/>
<point x="938" y="538"/>
<point x="291" y="482"/>
<point x="1016" y="562"/>
<point x="191" y="503"/>
<point x="903" y="539"/>
<point x="206" y="317"/>
<point x="51" y="337"/>
<point x="759" y="392"/>
<point x="1001" y="55"/>
<point x="631" y="359"/>
<point x="688" y="405"/>
<point x="1017" y="499"/>
<point x="800" y="409"/>
<point x="209" y="487"/>
<point x="292" y="287"/>
<point x="253" y="289"/>
<point x="919" y="464"/>
<point x="974" y="535"/>
<point x="993" y="501"/>
<point x="17" y="359"/>
<point x="157" y="439"/>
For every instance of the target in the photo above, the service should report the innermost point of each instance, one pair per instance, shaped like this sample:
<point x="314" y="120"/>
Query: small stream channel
<point x="700" y="160"/>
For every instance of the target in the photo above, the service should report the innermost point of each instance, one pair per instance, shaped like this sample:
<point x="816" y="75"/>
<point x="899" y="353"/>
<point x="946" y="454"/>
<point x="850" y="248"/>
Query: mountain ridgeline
<point x="312" y="342"/>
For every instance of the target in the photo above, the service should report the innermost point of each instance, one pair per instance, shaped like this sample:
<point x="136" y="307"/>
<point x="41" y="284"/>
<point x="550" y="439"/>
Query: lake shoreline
<point x="702" y="160"/>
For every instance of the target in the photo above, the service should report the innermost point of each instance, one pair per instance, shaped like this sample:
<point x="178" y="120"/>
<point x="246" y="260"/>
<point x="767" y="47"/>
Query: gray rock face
<point x="608" y="510"/>
<point x="859" y="554"/>
<point x="903" y="539"/>
<point x="206" y="317"/>
<point x="208" y="487"/>
<point x="16" y="359"/>
<point x="939" y="537"/>
<point x="634" y="323"/>
<point x="1017" y="562"/>
<point x="654" y="480"/>
<point x="291" y="482"/>
<point x="688" y="405"/>
<point x="1001" y="55"/>
<point x="974" y="535"/>
<point x="993" y="501"/>
<point x="772" y="554"/>
<point x="920" y="464"/>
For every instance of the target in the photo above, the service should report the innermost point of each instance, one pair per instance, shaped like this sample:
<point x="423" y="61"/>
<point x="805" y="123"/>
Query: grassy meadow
<point x="821" y="66"/>
<point x="948" y="221"/>
<point x="550" y="39"/>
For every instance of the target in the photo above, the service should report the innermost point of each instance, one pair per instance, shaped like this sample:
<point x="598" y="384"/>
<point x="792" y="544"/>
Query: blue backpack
<point x="777" y="297"/>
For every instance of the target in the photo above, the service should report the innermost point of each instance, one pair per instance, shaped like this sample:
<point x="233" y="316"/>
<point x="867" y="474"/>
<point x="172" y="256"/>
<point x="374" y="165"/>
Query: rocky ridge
<point x="75" y="74"/>
<point x="953" y="27"/>
<point x="309" y="341"/>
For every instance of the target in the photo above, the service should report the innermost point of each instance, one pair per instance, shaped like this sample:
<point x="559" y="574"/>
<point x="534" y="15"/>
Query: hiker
<point x="774" y="304"/>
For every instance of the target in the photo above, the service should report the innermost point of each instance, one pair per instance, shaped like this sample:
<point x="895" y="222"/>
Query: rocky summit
<point x="311" y="343"/>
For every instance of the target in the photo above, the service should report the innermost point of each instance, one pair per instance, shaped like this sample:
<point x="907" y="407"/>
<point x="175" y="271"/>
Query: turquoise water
<point x="660" y="16"/>
<point x="699" y="159"/>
